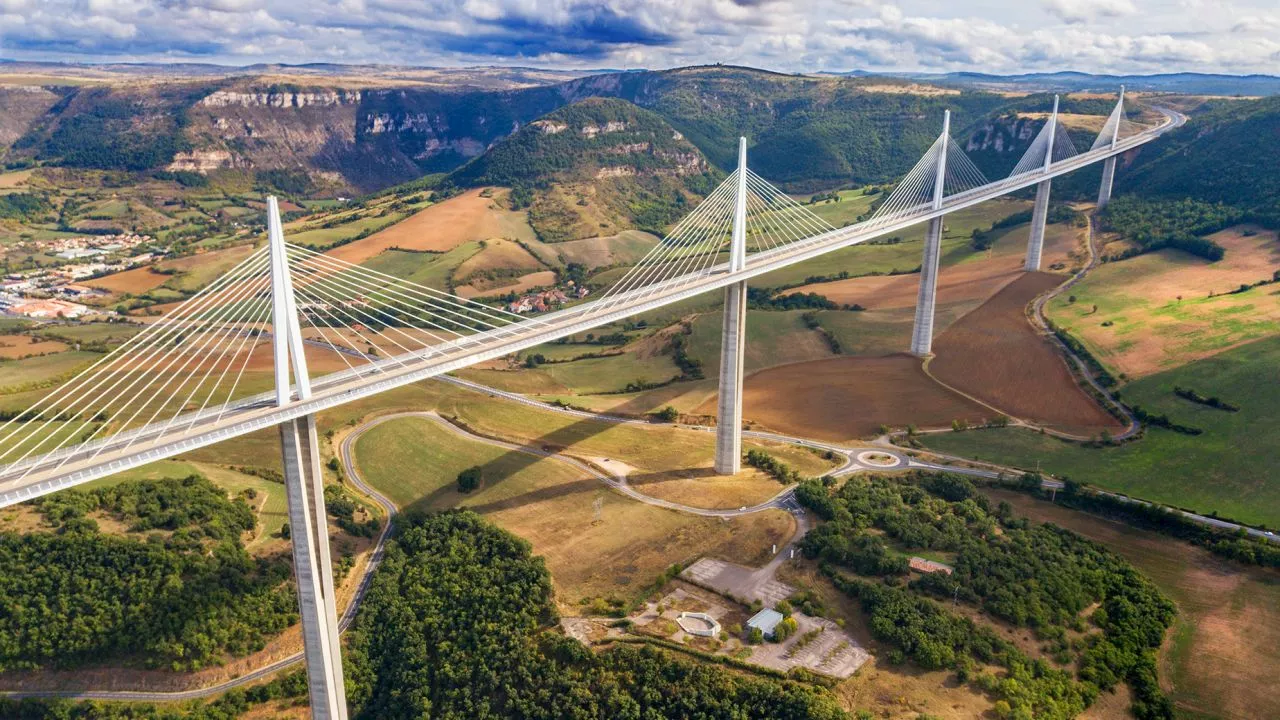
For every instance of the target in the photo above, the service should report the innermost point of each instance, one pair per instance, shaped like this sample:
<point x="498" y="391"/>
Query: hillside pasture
<point x="522" y="284"/>
<point x="434" y="270"/>
<point x="444" y="226"/>
<point x="1155" y="312"/>
<point x="625" y="248"/>
<point x="994" y="354"/>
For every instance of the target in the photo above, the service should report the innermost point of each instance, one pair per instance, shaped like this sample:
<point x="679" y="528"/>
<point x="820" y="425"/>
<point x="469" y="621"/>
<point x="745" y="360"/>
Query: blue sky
<point x="1000" y="36"/>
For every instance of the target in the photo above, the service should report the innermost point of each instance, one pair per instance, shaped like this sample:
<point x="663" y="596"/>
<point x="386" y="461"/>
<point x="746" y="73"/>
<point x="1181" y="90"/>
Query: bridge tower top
<point x="738" y="241"/>
<point x="1119" y="112"/>
<point x="940" y="179"/>
<point x="1053" y="128"/>
<point x="286" y="332"/>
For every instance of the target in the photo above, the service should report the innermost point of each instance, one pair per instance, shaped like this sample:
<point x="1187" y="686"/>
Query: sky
<point x="996" y="36"/>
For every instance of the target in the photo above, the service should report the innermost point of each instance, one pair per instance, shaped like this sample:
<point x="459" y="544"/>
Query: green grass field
<point x="430" y="269"/>
<point x="324" y="237"/>
<point x="845" y="212"/>
<point x="17" y="375"/>
<point x="1230" y="469"/>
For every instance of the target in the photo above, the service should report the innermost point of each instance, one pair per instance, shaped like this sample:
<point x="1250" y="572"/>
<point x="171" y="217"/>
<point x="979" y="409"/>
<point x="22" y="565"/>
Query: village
<point x="54" y="292"/>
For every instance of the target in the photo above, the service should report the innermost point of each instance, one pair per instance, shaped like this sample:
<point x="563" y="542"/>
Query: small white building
<point x="767" y="620"/>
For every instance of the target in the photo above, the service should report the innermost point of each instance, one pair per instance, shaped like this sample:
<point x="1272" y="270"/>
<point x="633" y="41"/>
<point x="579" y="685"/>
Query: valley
<point x="530" y="192"/>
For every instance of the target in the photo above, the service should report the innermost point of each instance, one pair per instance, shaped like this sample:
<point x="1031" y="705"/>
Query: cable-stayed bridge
<point x="199" y="374"/>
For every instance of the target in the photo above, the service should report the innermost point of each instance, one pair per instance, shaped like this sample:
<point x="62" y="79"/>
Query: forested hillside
<point x="597" y="163"/>
<point x="1227" y="152"/>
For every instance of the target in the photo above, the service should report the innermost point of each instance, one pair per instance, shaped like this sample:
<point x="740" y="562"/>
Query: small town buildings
<point x="49" y="309"/>
<point x="766" y="620"/>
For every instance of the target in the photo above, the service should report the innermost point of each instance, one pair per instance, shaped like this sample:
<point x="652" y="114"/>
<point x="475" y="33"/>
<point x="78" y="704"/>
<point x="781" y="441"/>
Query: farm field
<point x="852" y="204"/>
<point x="552" y="506"/>
<point x="443" y="226"/>
<point x="434" y="270"/>
<point x="1154" y="311"/>
<point x="1219" y="657"/>
<point x="497" y="254"/>
<point x="995" y="354"/>
<point x="625" y="248"/>
<point x="845" y="398"/>
<point x="14" y="347"/>
<point x="1229" y="469"/>
<point x="136" y="281"/>
<point x="522" y="284"/>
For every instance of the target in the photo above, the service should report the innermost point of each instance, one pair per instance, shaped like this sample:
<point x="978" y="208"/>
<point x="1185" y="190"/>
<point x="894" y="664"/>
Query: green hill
<point x="593" y="168"/>
<point x="1227" y="152"/>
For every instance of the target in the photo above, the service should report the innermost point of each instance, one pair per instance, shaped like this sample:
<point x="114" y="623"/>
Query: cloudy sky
<point x="1001" y="36"/>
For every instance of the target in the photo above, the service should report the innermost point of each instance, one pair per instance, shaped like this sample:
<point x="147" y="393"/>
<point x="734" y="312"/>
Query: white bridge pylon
<point x="288" y="332"/>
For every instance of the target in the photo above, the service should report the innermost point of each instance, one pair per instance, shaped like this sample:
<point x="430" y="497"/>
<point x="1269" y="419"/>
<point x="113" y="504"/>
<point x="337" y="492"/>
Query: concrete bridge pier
<point x="313" y="568"/>
<point x="733" y="336"/>
<point x="304" y="493"/>
<point x="1039" y="216"/>
<point x="922" y="332"/>
<point x="1108" y="176"/>
<point x="733" y="341"/>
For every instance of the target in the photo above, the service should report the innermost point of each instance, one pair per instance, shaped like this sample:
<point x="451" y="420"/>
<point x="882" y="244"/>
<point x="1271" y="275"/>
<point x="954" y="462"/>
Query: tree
<point x="668" y="414"/>
<point x="469" y="479"/>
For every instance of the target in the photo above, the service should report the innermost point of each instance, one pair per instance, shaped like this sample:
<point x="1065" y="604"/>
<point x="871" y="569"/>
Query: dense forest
<point x="1226" y="153"/>
<point x="1094" y="613"/>
<point x="453" y="627"/>
<point x="182" y="592"/>
<point x="1154" y="224"/>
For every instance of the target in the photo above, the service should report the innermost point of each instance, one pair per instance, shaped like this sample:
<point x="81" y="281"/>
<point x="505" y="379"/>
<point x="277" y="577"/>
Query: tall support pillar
<point x="733" y="336"/>
<point x="304" y="495"/>
<point x="1040" y="213"/>
<point x="922" y="332"/>
<point x="1109" y="165"/>
<point x="1108" y="176"/>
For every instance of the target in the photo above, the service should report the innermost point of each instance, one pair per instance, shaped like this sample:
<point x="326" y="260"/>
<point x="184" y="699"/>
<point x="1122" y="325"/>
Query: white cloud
<point x="788" y="35"/>
<point x="1081" y="11"/>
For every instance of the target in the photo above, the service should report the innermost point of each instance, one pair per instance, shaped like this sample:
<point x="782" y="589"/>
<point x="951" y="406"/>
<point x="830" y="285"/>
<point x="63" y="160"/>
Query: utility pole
<point x="304" y="492"/>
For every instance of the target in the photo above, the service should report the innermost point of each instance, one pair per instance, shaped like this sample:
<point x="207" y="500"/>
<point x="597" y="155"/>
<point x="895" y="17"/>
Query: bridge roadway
<point x="80" y="464"/>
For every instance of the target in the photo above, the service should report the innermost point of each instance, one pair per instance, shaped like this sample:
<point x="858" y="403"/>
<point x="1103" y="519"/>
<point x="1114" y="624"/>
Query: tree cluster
<point x="454" y="628"/>
<point x="1036" y="576"/>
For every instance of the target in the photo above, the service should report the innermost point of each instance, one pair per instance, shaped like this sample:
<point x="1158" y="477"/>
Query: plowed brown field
<point x="850" y="397"/>
<point x="993" y="353"/>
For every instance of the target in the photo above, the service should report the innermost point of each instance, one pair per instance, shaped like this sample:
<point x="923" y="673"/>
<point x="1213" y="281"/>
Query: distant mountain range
<point x="1189" y="83"/>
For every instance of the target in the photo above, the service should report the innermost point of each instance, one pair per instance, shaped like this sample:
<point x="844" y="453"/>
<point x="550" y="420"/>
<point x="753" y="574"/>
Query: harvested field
<point x="13" y="347"/>
<point x="135" y="281"/>
<point x="444" y="226"/>
<point x="850" y="397"/>
<point x="995" y="354"/>
<point x="524" y="283"/>
<point x="497" y="255"/>
<point x="625" y="248"/>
